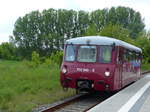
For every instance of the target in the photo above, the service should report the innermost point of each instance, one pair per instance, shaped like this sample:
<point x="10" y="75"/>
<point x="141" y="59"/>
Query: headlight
<point x="64" y="70"/>
<point x="107" y="74"/>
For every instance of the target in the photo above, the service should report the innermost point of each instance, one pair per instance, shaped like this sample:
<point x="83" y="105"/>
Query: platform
<point x="134" y="98"/>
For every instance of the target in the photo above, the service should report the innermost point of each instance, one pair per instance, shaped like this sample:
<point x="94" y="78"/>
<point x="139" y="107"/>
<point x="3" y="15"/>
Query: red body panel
<point x="87" y="71"/>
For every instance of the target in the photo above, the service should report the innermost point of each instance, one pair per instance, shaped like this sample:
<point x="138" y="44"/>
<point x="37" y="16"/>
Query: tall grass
<point x="145" y="67"/>
<point x="23" y="87"/>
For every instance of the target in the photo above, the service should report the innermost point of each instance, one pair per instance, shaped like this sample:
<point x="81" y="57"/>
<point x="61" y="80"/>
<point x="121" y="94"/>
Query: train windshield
<point x="87" y="54"/>
<point x="105" y="54"/>
<point x="70" y="53"/>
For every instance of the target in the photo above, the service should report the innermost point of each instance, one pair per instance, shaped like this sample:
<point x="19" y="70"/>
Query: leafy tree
<point x="128" y="18"/>
<point x="45" y="32"/>
<point x="99" y="18"/>
<point x="123" y="16"/>
<point x="144" y="43"/>
<point x="115" y="31"/>
<point x="91" y="30"/>
<point x="7" y="51"/>
<point x="27" y="32"/>
<point x="83" y="22"/>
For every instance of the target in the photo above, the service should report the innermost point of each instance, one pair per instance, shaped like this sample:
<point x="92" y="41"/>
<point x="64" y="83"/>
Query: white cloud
<point x="10" y="10"/>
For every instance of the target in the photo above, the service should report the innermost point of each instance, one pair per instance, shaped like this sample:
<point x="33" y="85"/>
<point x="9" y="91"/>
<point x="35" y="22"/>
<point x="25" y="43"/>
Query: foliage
<point x="48" y="62"/>
<point x="145" y="66"/>
<point x="35" y="59"/>
<point x="118" y="32"/>
<point x="24" y="88"/>
<point x="144" y="43"/>
<point x="128" y="18"/>
<point x="7" y="51"/>
<point x="91" y="30"/>
<point x="46" y="31"/>
<point x="57" y="57"/>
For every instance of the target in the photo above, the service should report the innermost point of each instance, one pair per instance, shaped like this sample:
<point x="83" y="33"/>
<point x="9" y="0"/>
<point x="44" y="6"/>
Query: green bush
<point x="42" y="59"/>
<point x="35" y="59"/>
<point x="7" y="51"/>
<point x="57" y="57"/>
<point x="48" y="62"/>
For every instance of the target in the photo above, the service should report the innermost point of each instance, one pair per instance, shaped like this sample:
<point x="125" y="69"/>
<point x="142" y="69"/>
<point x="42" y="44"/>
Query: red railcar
<point x="99" y="63"/>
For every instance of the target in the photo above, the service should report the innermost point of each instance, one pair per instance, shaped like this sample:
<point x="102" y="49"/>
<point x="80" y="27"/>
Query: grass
<point x="146" y="67"/>
<point x="23" y="88"/>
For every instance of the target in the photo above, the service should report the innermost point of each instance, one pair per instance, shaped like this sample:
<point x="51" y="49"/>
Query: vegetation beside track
<point x="145" y="66"/>
<point x="23" y="87"/>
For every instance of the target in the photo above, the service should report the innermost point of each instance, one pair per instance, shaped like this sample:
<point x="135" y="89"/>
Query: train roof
<point x="102" y="40"/>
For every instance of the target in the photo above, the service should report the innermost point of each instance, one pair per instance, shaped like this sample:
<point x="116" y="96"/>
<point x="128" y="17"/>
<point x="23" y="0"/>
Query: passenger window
<point x="70" y="53"/>
<point x="125" y="55"/>
<point x="87" y="54"/>
<point x="128" y="56"/>
<point x="105" y="54"/>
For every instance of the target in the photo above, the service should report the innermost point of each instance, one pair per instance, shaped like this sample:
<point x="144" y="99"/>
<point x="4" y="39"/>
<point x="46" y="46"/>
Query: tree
<point x="123" y="16"/>
<point x="7" y="51"/>
<point x="27" y="33"/>
<point x="91" y="30"/>
<point x="143" y="41"/>
<point x="99" y="18"/>
<point x="45" y="32"/>
<point x="128" y="18"/>
<point x="118" y="32"/>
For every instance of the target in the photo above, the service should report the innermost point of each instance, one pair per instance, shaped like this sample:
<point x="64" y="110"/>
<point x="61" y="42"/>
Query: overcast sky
<point x="10" y="10"/>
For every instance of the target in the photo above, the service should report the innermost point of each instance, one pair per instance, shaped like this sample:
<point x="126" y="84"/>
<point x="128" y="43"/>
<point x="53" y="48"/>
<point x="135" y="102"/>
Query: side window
<point x="70" y="53"/>
<point x="105" y="54"/>
<point x="139" y="57"/>
<point x="134" y="56"/>
<point x="125" y="56"/>
<point x="128" y="56"/>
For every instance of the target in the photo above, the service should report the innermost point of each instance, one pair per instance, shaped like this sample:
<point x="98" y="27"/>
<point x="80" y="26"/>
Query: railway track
<point x="82" y="103"/>
<point x="79" y="103"/>
<point x="145" y="72"/>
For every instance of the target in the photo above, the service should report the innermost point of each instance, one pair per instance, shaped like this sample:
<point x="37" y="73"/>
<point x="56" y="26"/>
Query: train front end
<point x="88" y="66"/>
